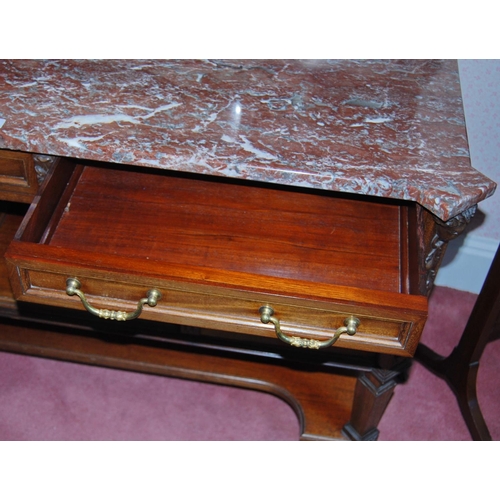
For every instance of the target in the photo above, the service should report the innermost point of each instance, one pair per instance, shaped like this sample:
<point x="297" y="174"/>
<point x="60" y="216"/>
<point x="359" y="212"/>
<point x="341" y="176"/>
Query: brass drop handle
<point x="266" y="316"/>
<point x="73" y="286"/>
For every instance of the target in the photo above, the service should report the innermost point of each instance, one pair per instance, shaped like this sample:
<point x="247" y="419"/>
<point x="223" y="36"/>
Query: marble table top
<point x="393" y="129"/>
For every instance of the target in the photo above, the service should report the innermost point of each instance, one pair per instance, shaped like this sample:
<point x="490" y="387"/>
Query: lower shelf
<point x="322" y="399"/>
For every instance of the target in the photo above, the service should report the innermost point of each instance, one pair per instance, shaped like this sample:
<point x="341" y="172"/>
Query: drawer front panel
<point x="218" y="253"/>
<point x="230" y="310"/>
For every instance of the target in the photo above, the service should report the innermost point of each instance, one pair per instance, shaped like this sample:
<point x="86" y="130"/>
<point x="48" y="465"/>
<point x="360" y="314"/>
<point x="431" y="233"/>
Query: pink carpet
<point x="52" y="400"/>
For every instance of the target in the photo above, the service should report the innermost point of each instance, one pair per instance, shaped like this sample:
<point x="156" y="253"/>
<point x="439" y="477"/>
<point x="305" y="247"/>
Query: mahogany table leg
<point x="374" y="390"/>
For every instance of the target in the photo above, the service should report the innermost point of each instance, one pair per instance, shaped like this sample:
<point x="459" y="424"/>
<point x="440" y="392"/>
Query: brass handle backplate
<point x="73" y="286"/>
<point x="266" y="316"/>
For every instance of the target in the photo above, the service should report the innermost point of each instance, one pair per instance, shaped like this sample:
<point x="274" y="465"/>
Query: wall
<point x="469" y="256"/>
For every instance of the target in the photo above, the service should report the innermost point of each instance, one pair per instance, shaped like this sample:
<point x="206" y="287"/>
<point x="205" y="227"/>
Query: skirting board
<point x="467" y="262"/>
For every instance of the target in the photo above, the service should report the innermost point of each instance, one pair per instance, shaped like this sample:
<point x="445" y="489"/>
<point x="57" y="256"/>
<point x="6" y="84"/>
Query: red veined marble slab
<point x="386" y="128"/>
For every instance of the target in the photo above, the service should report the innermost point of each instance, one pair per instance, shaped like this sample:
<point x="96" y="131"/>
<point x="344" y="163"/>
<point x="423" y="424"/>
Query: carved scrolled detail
<point x="437" y="241"/>
<point x="43" y="165"/>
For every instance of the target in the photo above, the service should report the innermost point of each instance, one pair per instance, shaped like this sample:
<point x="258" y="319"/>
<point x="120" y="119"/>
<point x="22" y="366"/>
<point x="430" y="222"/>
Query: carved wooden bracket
<point x="434" y="240"/>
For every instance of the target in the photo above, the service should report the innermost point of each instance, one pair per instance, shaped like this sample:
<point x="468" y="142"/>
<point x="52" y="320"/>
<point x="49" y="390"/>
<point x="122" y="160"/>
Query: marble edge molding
<point x="442" y="202"/>
<point x="391" y="129"/>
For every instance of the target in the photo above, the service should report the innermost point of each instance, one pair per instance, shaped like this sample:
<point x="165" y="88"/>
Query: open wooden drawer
<point x="217" y="251"/>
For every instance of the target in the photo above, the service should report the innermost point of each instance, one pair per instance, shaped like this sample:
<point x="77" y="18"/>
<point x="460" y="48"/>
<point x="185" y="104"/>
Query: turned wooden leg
<point x="374" y="390"/>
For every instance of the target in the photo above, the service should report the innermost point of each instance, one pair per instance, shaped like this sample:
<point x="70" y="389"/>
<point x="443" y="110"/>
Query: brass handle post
<point x="73" y="286"/>
<point x="267" y="316"/>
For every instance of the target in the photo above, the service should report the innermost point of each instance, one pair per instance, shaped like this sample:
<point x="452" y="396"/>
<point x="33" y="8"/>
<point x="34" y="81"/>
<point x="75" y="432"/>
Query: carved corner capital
<point x="436" y="235"/>
<point x="452" y="228"/>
